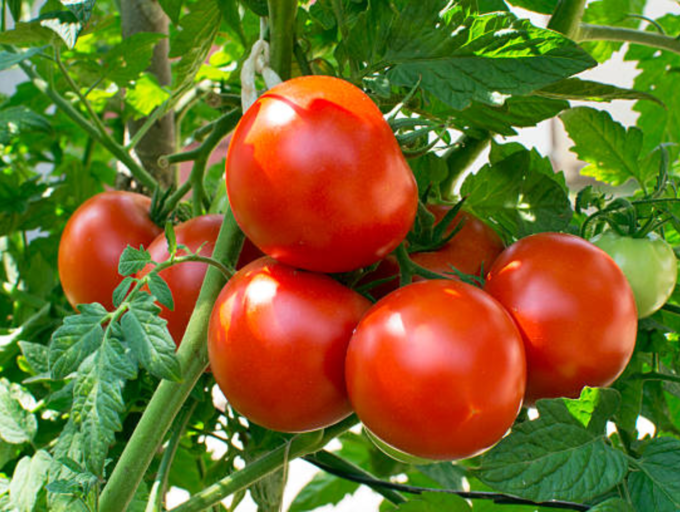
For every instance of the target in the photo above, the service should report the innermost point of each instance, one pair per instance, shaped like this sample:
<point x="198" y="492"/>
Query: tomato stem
<point x="459" y="158"/>
<point x="170" y="396"/>
<point x="567" y="17"/>
<point x="282" y="31"/>
<point x="627" y="35"/>
<point x="298" y="446"/>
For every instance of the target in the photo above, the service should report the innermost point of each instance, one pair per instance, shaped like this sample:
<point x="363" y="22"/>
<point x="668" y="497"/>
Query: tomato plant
<point x="277" y="343"/>
<point x="649" y="264"/>
<point x="93" y="240"/>
<point x="307" y="170"/>
<point x="437" y="370"/>
<point x="574" y="307"/>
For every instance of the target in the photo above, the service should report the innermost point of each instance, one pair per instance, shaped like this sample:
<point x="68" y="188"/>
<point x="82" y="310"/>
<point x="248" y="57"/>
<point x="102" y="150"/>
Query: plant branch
<point x="282" y="30"/>
<point x="567" y="17"/>
<point x="298" y="446"/>
<point x="656" y="376"/>
<point x="627" y="35"/>
<point x="170" y="396"/>
<point x="459" y="158"/>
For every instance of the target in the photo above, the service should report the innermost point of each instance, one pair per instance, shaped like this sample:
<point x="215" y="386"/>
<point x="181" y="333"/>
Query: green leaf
<point x="160" y="289"/>
<point x="585" y="90"/>
<point x="17" y="424"/>
<point x="542" y="6"/>
<point x="611" y="12"/>
<point x="594" y="408"/>
<point x="145" y="95"/>
<point x="76" y="339"/>
<point x="15" y="9"/>
<point x="65" y="24"/>
<point x="171" y="238"/>
<point x="199" y="29"/>
<point x="612" y="505"/>
<point x="133" y="260"/>
<point x="323" y="489"/>
<point x="612" y="152"/>
<point x="122" y="290"/>
<point x="15" y="121"/>
<point x="520" y="194"/>
<point x="553" y="457"/>
<point x="28" y="480"/>
<point x="28" y="34"/>
<point x="8" y="60"/>
<point x="229" y="10"/>
<point x="97" y="398"/>
<point x="654" y="484"/>
<point x="435" y="502"/>
<point x="36" y="355"/>
<point x="126" y="61"/>
<point x="149" y="339"/>
<point x="173" y="8"/>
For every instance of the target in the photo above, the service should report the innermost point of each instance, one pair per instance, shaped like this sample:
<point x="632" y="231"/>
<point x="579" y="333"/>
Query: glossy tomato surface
<point x="316" y="178"/>
<point x="436" y="369"/>
<point x="574" y="307"/>
<point x="649" y="264"/>
<point x="277" y="342"/>
<point x="93" y="240"/>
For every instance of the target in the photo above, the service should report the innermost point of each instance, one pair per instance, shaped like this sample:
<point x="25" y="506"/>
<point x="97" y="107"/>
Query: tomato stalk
<point x="298" y="446"/>
<point x="459" y="158"/>
<point x="588" y="32"/>
<point x="282" y="29"/>
<point x="170" y="396"/>
<point x="567" y="17"/>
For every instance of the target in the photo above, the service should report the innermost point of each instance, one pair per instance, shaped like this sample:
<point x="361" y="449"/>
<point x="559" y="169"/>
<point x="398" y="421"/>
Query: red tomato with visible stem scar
<point x="316" y="178"/>
<point x="277" y="342"/>
<point x="93" y="240"/>
<point x="574" y="307"/>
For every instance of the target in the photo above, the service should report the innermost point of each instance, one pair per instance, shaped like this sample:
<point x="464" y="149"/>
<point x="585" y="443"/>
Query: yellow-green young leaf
<point x="594" y="408"/>
<point x="611" y="150"/>
<point x="554" y="457"/>
<point x="145" y="95"/>
<point x="655" y="485"/>
<point x="28" y="481"/>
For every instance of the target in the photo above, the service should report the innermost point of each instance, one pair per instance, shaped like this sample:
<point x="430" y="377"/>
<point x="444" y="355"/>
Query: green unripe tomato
<point x="649" y="264"/>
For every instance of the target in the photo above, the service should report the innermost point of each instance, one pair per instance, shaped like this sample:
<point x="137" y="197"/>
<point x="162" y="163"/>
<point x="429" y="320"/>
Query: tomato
<point x="93" y="240"/>
<point x="436" y="369"/>
<point x="277" y="341"/>
<point x="649" y="264"/>
<point x="574" y="307"/>
<point x="474" y="247"/>
<point x="316" y="179"/>
<point x="185" y="279"/>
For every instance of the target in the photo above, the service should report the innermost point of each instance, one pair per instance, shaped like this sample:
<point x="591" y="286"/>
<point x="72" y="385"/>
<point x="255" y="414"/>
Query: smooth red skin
<point x="574" y="307"/>
<point x="473" y="248"/>
<point x="185" y="279"/>
<point x="277" y="342"/>
<point x="93" y="240"/>
<point x="316" y="178"/>
<point x="437" y="370"/>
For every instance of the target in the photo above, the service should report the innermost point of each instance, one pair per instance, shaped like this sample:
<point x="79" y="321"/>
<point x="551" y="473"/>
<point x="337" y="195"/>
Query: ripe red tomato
<point x="316" y="178"/>
<point x="277" y="342"/>
<point x="574" y="307"/>
<point x="93" y="240"/>
<point x="436" y="369"/>
<point x="185" y="279"/>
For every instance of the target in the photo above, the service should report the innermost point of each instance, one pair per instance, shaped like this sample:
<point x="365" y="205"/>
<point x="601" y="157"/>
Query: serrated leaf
<point x="435" y="502"/>
<point x="654" y="484"/>
<point x="519" y="195"/>
<point x="612" y="152"/>
<point x="76" y="339"/>
<point x="28" y="479"/>
<point x="122" y="290"/>
<point x="160" y="289"/>
<point x="15" y="121"/>
<point x="145" y="95"/>
<point x="7" y="59"/>
<point x="17" y="424"/>
<point x="65" y="24"/>
<point x="98" y="400"/>
<point x="323" y="489"/>
<point x="36" y="355"/>
<point x="193" y="44"/>
<point x="126" y="61"/>
<point x="133" y="260"/>
<point x="612" y="505"/>
<point x="149" y="339"/>
<point x="553" y="457"/>
<point x="585" y="90"/>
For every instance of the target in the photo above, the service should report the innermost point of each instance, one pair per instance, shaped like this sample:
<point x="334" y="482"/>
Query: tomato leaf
<point x="15" y="121"/>
<point x="435" y="502"/>
<point x="612" y="152"/>
<point x="17" y="424"/>
<point x="160" y="289"/>
<point x="553" y="457"/>
<point x="26" y="487"/>
<point x="542" y="6"/>
<point x="133" y="260"/>
<point x="36" y="356"/>
<point x="612" y="505"/>
<point x="655" y="485"/>
<point x="148" y="336"/>
<point x="127" y="60"/>
<point x="76" y="339"/>
<point x="7" y="59"/>
<point x="122" y="290"/>
<point x="585" y="90"/>
<point x="173" y="8"/>
<point x="323" y="489"/>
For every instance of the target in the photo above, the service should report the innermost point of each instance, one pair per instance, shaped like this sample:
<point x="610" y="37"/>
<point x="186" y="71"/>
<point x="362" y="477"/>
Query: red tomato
<point x="574" y="307"/>
<point x="473" y="247"/>
<point x="316" y="178"/>
<point x="93" y="240"/>
<point x="437" y="370"/>
<point x="277" y="342"/>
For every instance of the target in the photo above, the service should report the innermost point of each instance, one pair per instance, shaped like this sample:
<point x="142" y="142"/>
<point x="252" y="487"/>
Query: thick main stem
<point x="627" y="35"/>
<point x="567" y="17"/>
<point x="282" y="30"/>
<point x="170" y="396"/>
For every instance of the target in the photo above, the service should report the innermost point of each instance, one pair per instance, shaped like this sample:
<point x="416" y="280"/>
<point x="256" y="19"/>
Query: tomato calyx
<point x="428" y="234"/>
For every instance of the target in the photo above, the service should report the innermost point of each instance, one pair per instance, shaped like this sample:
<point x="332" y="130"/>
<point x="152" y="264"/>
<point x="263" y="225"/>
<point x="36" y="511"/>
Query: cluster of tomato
<point x="438" y="368"/>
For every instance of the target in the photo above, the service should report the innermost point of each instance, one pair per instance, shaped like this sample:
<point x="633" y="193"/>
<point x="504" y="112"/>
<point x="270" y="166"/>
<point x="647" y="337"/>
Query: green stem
<point x="170" y="396"/>
<point x="672" y="308"/>
<point x="567" y="17"/>
<point x="103" y="138"/>
<point x="298" y="446"/>
<point x="282" y="29"/>
<point x="627" y="35"/>
<point x="656" y="376"/>
<point x="459" y="158"/>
